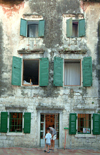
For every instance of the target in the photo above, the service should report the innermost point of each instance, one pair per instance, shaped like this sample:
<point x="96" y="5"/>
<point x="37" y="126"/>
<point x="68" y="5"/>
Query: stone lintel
<point x="35" y="51"/>
<point x="91" y="1"/>
<point x="85" y="108"/>
<point x="72" y="52"/>
<point x="49" y="108"/>
<point x="15" y="107"/>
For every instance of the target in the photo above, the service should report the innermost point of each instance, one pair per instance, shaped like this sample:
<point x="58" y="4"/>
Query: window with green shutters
<point x="58" y="72"/>
<point x="72" y="123"/>
<point x="15" y="120"/>
<point x="75" y="28"/>
<point x="96" y="124"/>
<point x="32" y="28"/>
<point x="87" y="71"/>
<point x="35" y="72"/>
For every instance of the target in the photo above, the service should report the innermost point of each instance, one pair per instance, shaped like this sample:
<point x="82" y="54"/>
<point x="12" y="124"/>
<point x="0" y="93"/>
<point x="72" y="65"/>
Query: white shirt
<point x="48" y="138"/>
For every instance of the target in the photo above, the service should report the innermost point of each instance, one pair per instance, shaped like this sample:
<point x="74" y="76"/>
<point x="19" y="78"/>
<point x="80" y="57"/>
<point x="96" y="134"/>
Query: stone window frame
<point x="75" y="17"/>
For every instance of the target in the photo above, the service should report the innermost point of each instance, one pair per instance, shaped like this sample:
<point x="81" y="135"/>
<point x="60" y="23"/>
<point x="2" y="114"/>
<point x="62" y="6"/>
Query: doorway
<point x="48" y="120"/>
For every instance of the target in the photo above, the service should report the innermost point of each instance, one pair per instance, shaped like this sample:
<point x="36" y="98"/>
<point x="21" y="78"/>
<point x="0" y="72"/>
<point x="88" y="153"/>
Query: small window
<point x="72" y="72"/>
<point x="32" y="29"/>
<point x="74" y="28"/>
<point x="15" y="122"/>
<point x="84" y="123"/>
<point x="30" y="72"/>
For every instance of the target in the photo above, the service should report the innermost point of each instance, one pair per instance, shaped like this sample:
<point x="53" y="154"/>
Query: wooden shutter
<point x="4" y="116"/>
<point x="81" y="27"/>
<point x="23" y="27"/>
<point x="58" y="72"/>
<point x="87" y="71"/>
<point x="44" y="71"/>
<point x="69" y="27"/>
<point x="41" y="28"/>
<point x="96" y="124"/>
<point x="27" y="122"/>
<point x="16" y="71"/>
<point x="72" y="123"/>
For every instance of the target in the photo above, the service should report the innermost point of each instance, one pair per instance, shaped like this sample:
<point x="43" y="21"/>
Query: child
<point x="48" y="140"/>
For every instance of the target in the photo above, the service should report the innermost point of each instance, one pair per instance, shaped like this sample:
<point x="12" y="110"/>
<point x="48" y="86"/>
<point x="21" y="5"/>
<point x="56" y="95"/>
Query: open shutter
<point x="27" y="122"/>
<point x="72" y="123"/>
<point x="87" y="71"/>
<point x="58" y="72"/>
<point x="23" y="27"/>
<point x="44" y="71"/>
<point x="16" y="71"/>
<point x="4" y="116"/>
<point x="81" y="27"/>
<point x="96" y="124"/>
<point x="69" y="27"/>
<point x="41" y="28"/>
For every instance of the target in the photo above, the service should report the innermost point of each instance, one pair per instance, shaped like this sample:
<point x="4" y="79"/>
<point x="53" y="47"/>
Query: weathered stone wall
<point x="72" y="98"/>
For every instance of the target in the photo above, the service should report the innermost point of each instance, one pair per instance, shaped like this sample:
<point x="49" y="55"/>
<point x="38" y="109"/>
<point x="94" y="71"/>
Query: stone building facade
<point x="49" y="72"/>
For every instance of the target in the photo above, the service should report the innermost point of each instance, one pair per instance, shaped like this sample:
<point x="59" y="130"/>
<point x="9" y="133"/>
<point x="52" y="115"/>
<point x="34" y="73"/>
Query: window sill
<point x="15" y="134"/>
<point x="85" y="136"/>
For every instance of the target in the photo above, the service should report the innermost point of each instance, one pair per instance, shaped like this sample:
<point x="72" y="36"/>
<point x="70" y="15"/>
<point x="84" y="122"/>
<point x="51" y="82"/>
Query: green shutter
<point x="69" y="27"/>
<point x="96" y="124"/>
<point x="27" y="122"/>
<point x="44" y="71"/>
<point x="23" y="27"/>
<point x="58" y="72"/>
<point x="4" y="116"/>
<point x="81" y="27"/>
<point x="16" y="71"/>
<point x="41" y="28"/>
<point x="87" y="71"/>
<point x="72" y="124"/>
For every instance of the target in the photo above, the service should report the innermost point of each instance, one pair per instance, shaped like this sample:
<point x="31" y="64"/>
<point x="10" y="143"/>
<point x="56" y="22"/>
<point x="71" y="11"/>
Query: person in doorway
<point x="54" y="135"/>
<point x="48" y="140"/>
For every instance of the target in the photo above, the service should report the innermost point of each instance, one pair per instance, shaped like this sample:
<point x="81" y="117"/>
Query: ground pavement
<point x="39" y="151"/>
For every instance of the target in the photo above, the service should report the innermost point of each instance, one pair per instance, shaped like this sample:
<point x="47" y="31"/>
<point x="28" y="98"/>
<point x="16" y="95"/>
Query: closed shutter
<point x="23" y="27"/>
<point x="41" y="28"/>
<point x="87" y="71"/>
<point x="81" y="27"/>
<point x="96" y="124"/>
<point x="72" y="123"/>
<point x="58" y="72"/>
<point x="4" y="116"/>
<point x="44" y="71"/>
<point x="27" y="122"/>
<point x="69" y="27"/>
<point x="16" y="71"/>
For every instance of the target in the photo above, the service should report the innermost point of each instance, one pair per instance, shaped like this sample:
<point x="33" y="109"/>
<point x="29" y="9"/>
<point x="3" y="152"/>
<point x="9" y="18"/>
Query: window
<point x="31" y="72"/>
<point x="84" y="123"/>
<point x="32" y="28"/>
<point x="15" y="124"/>
<point x="16" y="120"/>
<point x="72" y="72"/>
<point x="75" y="28"/>
<point x="81" y="124"/>
<point x="35" y="72"/>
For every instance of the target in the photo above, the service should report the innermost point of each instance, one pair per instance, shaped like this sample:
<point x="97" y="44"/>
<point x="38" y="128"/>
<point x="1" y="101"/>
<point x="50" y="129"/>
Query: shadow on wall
<point x="11" y="2"/>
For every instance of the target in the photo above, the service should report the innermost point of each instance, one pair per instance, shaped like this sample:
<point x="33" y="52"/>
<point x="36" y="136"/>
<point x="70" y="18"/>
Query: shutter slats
<point x="96" y="124"/>
<point x="27" y="122"/>
<point x="41" y="28"/>
<point x="58" y="71"/>
<point x="81" y="27"/>
<point x="87" y="71"/>
<point x="44" y="71"/>
<point x="72" y="123"/>
<point x="69" y="27"/>
<point x="16" y="71"/>
<point x="4" y="121"/>
<point x="23" y="27"/>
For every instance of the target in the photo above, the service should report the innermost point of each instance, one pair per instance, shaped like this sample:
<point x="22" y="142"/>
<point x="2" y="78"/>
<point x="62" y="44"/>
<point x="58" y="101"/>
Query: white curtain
<point x="72" y="74"/>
